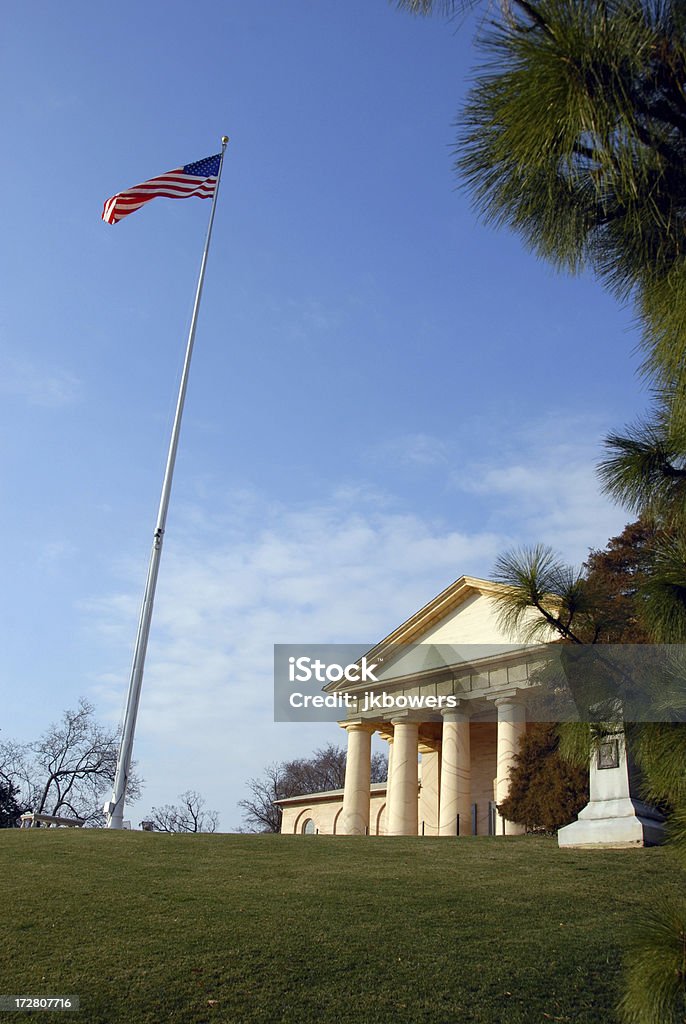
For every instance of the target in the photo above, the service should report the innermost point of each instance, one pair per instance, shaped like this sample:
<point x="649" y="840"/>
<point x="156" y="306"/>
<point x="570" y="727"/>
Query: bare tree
<point x="69" y="769"/>
<point x="15" y="768"/>
<point x="260" y="812"/>
<point x="187" y="816"/>
<point x="323" y="771"/>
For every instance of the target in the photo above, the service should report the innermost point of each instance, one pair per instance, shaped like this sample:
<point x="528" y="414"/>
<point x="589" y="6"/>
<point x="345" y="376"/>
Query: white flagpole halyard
<point x="114" y="808"/>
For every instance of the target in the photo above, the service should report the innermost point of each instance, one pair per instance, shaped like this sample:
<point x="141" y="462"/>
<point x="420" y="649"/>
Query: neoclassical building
<point x="453" y="726"/>
<point x="453" y="695"/>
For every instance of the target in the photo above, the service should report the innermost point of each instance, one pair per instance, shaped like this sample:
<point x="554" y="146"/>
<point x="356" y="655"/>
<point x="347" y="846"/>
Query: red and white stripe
<point x="172" y="185"/>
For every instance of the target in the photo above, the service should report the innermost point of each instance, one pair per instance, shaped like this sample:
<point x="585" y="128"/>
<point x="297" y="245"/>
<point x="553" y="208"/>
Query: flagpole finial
<point x="225" y="139"/>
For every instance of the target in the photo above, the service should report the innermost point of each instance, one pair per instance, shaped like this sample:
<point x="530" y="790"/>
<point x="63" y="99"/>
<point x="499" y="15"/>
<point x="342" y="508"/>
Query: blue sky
<point x="385" y="392"/>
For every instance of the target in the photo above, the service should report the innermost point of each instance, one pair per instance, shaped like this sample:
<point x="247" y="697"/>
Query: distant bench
<point x="34" y="820"/>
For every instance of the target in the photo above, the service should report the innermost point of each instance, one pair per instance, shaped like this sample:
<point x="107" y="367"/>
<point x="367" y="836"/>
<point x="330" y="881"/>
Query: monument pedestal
<point x="613" y="817"/>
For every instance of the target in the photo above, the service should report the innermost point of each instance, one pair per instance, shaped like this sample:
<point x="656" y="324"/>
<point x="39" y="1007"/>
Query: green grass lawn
<point x="146" y="927"/>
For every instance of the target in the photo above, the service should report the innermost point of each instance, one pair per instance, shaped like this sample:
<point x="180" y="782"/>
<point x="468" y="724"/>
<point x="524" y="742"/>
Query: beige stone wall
<point x="377" y="814"/>
<point x="325" y="812"/>
<point x="429" y="792"/>
<point x="484" y="738"/>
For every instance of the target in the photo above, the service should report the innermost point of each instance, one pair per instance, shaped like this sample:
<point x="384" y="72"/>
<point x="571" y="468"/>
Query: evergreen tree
<point x="10" y="808"/>
<point x="574" y="136"/>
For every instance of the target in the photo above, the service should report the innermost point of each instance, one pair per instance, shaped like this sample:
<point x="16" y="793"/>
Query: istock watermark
<point x="304" y="672"/>
<point x="320" y="682"/>
<point x="558" y="683"/>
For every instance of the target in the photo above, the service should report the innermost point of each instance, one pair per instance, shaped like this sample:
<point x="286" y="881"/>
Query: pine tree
<point x="574" y="136"/>
<point x="10" y="808"/>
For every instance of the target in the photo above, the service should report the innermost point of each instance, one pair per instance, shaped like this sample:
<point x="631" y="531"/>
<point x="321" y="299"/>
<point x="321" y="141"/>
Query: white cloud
<point x="52" y="555"/>
<point x="541" y="484"/>
<point x="417" y="450"/>
<point x="38" y="386"/>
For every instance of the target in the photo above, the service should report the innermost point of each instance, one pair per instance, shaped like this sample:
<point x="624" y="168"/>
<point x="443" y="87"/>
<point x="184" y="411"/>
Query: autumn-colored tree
<point x="616" y="575"/>
<point x="546" y="792"/>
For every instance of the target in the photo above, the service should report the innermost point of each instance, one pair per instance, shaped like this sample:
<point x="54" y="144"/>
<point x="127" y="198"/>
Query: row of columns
<point x="447" y="771"/>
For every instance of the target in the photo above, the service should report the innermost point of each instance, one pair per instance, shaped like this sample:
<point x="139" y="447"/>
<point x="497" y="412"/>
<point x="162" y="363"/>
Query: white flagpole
<point x="114" y="808"/>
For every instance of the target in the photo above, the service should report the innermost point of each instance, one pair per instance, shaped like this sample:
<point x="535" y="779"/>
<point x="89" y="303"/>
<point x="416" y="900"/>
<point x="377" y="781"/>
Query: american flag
<point x="198" y="179"/>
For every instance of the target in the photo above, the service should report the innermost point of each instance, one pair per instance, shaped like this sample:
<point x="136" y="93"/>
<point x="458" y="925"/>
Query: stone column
<point x="429" y="789"/>
<point x="456" y="790"/>
<point x="403" y="820"/>
<point x="355" y="816"/>
<point x="388" y="783"/>
<point x="511" y="728"/>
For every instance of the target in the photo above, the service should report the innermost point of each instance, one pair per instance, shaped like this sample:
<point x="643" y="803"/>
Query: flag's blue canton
<point x="207" y="168"/>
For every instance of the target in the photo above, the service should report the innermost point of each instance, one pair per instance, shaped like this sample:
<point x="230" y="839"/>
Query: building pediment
<point x="465" y="612"/>
<point x="460" y="633"/>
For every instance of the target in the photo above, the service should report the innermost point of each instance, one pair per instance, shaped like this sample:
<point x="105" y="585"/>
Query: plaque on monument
<point x="608" y="754"/>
